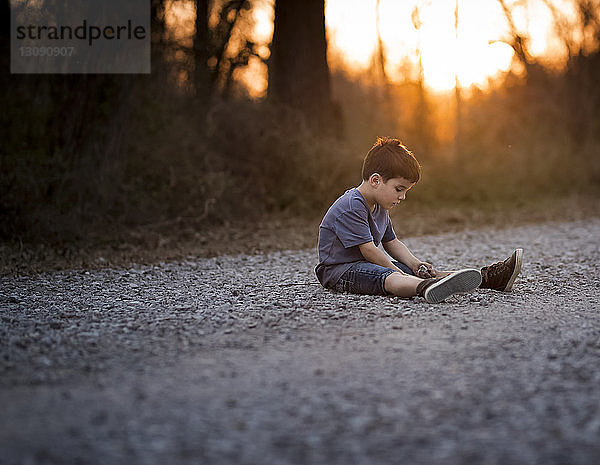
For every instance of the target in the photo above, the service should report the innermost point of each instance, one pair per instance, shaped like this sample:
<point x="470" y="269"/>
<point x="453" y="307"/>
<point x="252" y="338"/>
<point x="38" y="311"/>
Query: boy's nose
<point x="402" y="196"/>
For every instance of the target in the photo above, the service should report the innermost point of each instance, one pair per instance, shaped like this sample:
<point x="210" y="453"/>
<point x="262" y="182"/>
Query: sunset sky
<point x="476" y="55"/>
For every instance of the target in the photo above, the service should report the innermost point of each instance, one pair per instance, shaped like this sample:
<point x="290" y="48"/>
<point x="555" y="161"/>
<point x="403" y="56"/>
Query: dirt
<point x="245" y="359"/>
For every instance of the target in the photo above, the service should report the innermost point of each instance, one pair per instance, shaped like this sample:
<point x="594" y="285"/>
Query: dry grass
<point x="236" y="176"/>
<point x="184" y="239"/>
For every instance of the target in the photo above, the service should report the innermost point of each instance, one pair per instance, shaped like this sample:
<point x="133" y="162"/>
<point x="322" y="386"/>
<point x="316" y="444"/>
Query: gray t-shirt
<point x="348" y="223"/>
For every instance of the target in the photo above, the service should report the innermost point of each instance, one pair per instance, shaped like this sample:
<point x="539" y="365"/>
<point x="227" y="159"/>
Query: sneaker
<point x="501" y="276"/>
<point x="436" y="290"/>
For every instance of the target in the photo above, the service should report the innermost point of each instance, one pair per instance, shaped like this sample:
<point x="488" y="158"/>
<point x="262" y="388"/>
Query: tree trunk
<point x="5" y="38"/>
<point x="202" y="78"/>
<point x="298" y="70"/>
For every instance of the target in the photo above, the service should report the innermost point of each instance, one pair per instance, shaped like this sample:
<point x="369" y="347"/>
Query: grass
<point x="239" y="176"/>
<point x="186" y="238"/>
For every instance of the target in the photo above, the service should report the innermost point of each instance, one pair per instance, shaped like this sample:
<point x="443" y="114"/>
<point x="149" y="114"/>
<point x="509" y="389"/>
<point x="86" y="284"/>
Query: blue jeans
<point x="367" y="278"/>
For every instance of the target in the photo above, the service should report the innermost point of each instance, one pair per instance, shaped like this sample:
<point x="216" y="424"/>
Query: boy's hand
<point x="425" y="270"/>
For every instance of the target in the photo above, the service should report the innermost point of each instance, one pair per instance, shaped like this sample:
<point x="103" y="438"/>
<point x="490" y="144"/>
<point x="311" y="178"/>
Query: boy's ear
<point x="375" y="179"/>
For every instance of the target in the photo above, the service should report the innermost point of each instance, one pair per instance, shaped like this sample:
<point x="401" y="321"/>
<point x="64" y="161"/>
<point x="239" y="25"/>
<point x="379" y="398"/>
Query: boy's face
<point x="390" y="193"/>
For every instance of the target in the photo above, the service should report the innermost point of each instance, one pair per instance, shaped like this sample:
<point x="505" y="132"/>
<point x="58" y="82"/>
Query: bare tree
<point x="219" y="50"/>
<point x="202" y="73"/>
<point x="562" y="27"/>
<point x="517" y="40"/>
<point x="421" y="119"/>
<point x="457" y="92"/>
<point x="583" y="75"/>
<point x="589" y="21"/>
<point x="5" y="37"/>
<point x="381" y="59"/>
<point x="298" y="70"/>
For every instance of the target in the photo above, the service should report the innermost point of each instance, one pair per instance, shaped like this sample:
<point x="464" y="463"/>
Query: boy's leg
<point x="434" y="290"/>
<point x="402" y="285"/>
<point x="368" y="278"/>
<point x="364" y="278"/>
<point x="499" y="276"/>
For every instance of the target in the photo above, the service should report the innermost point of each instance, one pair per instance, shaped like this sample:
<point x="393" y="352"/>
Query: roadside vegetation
<point x="96" y="165"/>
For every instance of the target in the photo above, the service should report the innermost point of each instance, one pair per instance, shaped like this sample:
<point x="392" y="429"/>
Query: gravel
<point x="247" y="360"/>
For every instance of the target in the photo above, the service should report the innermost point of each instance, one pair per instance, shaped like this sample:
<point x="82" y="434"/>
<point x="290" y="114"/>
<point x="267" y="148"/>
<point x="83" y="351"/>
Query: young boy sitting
<point x="358" y="221"/>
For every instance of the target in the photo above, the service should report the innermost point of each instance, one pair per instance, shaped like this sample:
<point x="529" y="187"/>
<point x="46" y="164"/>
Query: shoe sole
<point x="456" y="283"/>
<point x="516" y="271"/>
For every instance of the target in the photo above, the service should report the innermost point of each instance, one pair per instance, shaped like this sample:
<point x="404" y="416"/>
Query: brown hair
<point x="391" y="159"/>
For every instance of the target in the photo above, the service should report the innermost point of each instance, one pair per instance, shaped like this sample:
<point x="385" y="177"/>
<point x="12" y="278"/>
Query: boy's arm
<point x="400" y="252"/>
<point x="372" y="254"/>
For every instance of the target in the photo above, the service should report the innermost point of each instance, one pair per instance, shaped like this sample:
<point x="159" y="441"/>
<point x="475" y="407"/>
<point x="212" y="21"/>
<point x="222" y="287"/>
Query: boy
<point x="358" y="221"/>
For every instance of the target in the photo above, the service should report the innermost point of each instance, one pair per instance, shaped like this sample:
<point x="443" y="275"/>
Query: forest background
<point x="239" y="142"/>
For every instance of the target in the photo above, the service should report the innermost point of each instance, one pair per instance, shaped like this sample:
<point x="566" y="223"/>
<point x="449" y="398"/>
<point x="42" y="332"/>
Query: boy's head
<point x="391" y="159"/>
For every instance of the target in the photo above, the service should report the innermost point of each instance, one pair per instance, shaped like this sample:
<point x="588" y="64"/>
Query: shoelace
<point x="495" y="268"/>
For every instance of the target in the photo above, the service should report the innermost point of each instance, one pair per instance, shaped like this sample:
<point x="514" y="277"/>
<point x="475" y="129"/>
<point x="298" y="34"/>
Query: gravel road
<point x="245" y="360"/>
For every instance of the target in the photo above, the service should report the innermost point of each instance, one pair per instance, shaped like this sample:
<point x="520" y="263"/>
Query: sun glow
<point x="425" y="30"/>
<point x="413" y="33"/>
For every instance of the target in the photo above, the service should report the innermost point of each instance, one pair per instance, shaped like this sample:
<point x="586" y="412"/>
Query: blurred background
<point x="262" y="110"/>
